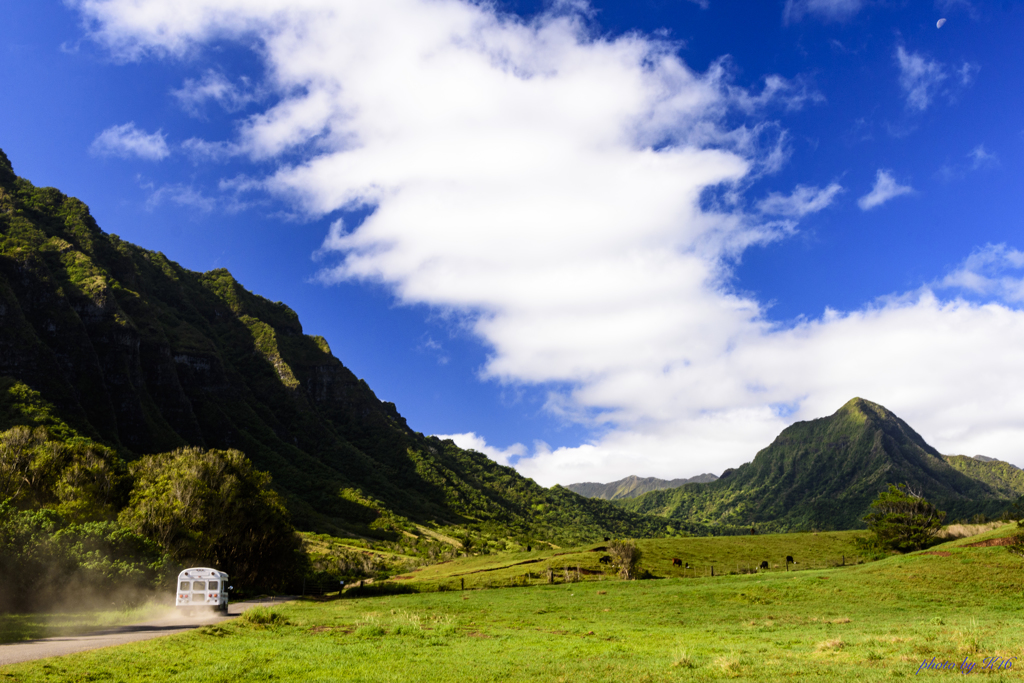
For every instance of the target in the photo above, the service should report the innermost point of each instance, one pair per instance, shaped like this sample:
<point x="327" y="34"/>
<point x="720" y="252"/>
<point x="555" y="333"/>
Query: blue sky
<point x="591" y="240"/>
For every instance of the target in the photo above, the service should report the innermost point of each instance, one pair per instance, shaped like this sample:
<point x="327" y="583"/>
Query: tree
<point x="212" y="507"/>
<point x="625" y="557"/>
<point x="903" y="520"/>
<point x="79" y="478"/>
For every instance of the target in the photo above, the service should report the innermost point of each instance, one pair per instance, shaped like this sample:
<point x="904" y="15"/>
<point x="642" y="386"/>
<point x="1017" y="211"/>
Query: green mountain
<point x="823" y="474"/>
<point x="1005" y="478"/>
<point x="130" y="349"/>
<point x="633" y="486"/>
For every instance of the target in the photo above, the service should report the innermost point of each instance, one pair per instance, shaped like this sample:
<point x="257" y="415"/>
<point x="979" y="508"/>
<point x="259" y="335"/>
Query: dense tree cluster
<point x="78" y="525"/>
<point x="211" y="506"/>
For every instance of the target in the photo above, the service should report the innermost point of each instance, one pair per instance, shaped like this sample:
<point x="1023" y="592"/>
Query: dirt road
<point x="13" y="653"/>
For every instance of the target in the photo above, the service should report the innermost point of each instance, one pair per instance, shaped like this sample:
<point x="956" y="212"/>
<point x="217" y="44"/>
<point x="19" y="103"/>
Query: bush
<point x="46" y="560"/>
<point x="903" y="520"/>
<point x="625" y="557"/>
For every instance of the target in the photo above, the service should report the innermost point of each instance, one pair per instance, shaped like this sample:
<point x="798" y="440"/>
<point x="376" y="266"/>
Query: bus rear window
<point x="184" y="586"/>
<point x="198" y="585"/>
<point x="213" y="585"/>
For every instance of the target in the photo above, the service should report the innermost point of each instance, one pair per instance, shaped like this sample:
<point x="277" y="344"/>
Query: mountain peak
<point x="862" y="408"/>
<point x="824" y="473"/>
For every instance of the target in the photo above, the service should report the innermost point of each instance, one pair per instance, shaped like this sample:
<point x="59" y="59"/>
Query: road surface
<point x="13" y="653"/>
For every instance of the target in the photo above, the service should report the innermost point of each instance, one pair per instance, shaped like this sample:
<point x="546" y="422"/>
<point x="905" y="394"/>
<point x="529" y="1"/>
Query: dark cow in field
<point x="763" y="565"/>
<point x="676" y="562"/>
<point x="790" y="560"/>
<point x="605" y="559"/>
<point x="529" y="548"/>
<point x="606" y="539"/>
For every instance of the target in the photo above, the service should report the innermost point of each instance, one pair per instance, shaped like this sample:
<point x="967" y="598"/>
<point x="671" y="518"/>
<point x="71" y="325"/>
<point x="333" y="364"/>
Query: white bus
<point x="202" y="587"/>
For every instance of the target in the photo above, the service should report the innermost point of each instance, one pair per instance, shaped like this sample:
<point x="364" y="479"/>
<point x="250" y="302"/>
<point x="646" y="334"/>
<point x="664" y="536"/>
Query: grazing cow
<point x="605" y="559"/>
<point x="687" y="566"/>
<point x="789" y="558"/>
<point x="676" y="562"/>
<point x="763" y="565"/>
<point x="529" y="548"/>
<point x="607" y="539"/>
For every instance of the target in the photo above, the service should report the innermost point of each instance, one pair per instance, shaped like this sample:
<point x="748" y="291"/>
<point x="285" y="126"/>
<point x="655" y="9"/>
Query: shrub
<point x="625" y="557"/>
<point x="262" y="617"/>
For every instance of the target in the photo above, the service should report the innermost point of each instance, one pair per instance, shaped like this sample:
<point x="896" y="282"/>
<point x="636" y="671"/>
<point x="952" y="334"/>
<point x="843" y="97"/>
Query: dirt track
<point x="13" y="653"/>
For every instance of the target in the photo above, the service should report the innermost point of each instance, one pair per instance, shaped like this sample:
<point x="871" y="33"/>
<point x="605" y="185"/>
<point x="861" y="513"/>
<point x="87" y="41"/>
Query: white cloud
<point x="885" y="189"/>
<point x="978" y="158"/>
<point x="828" y="10"/>
<point x="984" y="273"/>
<point x="920" y="78"/>
<point x="182" y="195"/>
<point x="215" y="86"/>
<point x="791" y="94"/>
<point x="981" y="158"/>
<point x="967" y="73"/>
<point x="127" y="141"/>
<point x="578" y="201"/>
<point x="804" y="200"/>
<point x="475" y="442"/>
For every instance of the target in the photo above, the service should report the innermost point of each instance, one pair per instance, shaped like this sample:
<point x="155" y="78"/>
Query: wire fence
<point x="726" y="568"/>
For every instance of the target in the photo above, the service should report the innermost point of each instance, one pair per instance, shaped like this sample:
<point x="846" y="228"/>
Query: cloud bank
<point x="579" y="201"/>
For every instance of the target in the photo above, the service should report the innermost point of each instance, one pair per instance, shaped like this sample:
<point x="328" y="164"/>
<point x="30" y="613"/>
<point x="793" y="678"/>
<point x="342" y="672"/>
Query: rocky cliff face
<point x="144" y="355"/>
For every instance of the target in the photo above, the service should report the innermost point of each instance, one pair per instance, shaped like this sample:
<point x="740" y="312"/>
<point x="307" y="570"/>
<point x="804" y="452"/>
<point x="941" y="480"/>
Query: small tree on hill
<point x="625" y="557"/>
<point x="903" y="520"/>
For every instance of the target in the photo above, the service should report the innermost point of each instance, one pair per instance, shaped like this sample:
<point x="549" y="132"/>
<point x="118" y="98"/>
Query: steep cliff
<point x="146" y="356"/>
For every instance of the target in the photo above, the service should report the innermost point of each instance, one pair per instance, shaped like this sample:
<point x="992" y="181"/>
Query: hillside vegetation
<point x="104" y="341"/>
<point x="633" y="486"/>
<point x="824" y="473"/>
<point x="1003" y="477"/>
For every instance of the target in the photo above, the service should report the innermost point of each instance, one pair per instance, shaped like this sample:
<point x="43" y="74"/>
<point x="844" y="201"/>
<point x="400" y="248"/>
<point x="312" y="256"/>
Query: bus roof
<point x="201" y="573"/>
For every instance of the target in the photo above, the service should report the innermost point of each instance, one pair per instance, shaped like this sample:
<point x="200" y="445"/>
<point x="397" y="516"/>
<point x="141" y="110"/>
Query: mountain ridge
<point x="633" y="486"/>
<point x="823" y="474"/>
<point x="143" y="355"/>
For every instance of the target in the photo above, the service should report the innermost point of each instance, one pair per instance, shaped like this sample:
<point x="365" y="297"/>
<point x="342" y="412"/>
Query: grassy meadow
<point x="19" y="627"/>
<point x="863" y="622"/>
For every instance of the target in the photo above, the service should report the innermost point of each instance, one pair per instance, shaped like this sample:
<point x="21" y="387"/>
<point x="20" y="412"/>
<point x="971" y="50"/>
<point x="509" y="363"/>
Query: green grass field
<point x="726" y="554"/>
<point x="874" y="621"/>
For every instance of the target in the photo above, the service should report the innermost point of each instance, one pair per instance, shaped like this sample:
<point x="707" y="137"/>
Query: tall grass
<point x="955" y="531"/>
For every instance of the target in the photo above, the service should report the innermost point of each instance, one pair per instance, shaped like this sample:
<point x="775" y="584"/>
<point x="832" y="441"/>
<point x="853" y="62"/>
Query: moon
<point x="940" y="22"/>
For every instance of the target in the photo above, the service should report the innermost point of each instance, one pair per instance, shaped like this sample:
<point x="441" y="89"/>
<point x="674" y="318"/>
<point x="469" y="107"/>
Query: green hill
<point x="823" y="474"/>
<point x="1002" y="476"/>
<point x="633" y="486"/>
<point x="142" y="355"/>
